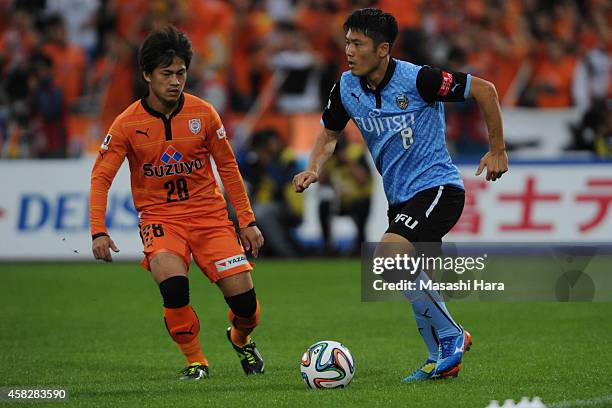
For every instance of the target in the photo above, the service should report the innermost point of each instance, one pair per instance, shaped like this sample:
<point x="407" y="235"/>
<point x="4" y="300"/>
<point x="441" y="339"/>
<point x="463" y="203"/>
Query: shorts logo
<point x="195" y="125"/>
<point x="221" y="132"/>
<point x="401" y="101"/>
<point x="171" y="155"/>
<point x="231" y="262"/>
<point x="447" y="81"/>
<point x="407" y="220"/>
<point x="106" y="142"/>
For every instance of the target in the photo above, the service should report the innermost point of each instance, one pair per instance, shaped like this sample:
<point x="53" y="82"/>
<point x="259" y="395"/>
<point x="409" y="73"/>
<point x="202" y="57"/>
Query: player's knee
<point x="391" y="248"/>
<point x="392" y="245"/>
<point x="244" y="309"/>
<point x="175" y="292"/>
<point x="181" y="321"/>
<point x="244" y="304"/>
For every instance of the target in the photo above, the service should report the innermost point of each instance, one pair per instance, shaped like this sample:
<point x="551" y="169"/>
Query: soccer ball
<point x="327" y="364"/>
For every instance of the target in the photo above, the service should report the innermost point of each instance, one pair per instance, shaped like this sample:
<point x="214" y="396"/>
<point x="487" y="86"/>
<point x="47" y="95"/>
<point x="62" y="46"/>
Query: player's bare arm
<point x="321" y="152"/>
<point x="101" y="246"/>
<point x="496" y="159"/>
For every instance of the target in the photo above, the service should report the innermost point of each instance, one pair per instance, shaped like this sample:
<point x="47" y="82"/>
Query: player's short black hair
<point x="161" y="46"/>
<point x="379" y="26"/>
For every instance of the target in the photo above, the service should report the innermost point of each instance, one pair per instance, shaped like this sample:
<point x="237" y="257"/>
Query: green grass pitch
<point x="97" y="330"/>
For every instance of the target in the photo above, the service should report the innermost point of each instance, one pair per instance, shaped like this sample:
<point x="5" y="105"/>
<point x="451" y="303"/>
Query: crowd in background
<point x="59" y="57"/>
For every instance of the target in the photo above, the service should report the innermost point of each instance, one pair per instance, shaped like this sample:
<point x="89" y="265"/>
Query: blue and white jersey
<point x="402" y="122"/>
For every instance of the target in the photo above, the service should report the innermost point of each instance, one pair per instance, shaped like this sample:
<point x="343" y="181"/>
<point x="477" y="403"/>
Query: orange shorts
<point x="216" y="249"/>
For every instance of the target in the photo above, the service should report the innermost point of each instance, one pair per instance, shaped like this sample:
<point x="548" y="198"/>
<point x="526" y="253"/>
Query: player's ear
<point x="146" y="76"/>
<point x="384" y="49"/>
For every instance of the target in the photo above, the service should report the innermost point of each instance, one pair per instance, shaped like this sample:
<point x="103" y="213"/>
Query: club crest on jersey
<point x="401" y="101"/>
<point x="195" y="125"/>
<point x="106" y="142"/>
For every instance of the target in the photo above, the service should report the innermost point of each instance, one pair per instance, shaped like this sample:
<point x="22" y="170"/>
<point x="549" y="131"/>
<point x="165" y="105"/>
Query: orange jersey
<point x="170" y="167"/>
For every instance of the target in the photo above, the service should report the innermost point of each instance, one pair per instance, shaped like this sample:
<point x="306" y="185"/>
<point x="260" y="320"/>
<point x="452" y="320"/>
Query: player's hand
<point x="496" y="162"/>
<point x="302" y="180"/>
<point x="101" y="247"/>
<point x="252" y="239"/>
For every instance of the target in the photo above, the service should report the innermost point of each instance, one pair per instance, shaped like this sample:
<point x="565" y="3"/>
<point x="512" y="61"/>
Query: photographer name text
<point x="461" y="285"/>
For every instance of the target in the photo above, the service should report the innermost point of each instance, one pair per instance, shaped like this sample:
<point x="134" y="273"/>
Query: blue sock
<point x="428" y="334"/>
<point x="429" y="305"/>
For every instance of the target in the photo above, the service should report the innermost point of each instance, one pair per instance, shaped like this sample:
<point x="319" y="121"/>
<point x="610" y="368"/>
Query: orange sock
<point x="243" y="326"/>
<point x="193" y="352"/>
<point x="184" y="327"/>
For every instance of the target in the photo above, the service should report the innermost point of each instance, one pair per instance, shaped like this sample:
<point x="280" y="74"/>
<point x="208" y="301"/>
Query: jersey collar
<point x="158" y="114"/>
<point x="383" y="83"/>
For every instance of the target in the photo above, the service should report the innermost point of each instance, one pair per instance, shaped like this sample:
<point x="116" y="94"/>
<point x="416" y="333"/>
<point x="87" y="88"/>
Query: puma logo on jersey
<point x="355" y="96"/>
<point x="143" y="132"/>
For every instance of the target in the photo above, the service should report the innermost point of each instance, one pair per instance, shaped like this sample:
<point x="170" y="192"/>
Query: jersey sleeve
<point x="110" y="157"/>
<point x="335" y="116"/>
<point x="222" y="153"/>
<point x="434" y="84"/>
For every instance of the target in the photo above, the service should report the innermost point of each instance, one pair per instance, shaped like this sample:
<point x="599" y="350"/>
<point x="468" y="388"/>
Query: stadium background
<point x="67" y="68"/>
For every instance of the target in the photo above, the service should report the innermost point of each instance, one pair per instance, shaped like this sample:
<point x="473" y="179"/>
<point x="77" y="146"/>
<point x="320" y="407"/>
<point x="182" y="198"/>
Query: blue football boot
<point x="450" y="353"/>
<point x="424" y="372"/>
